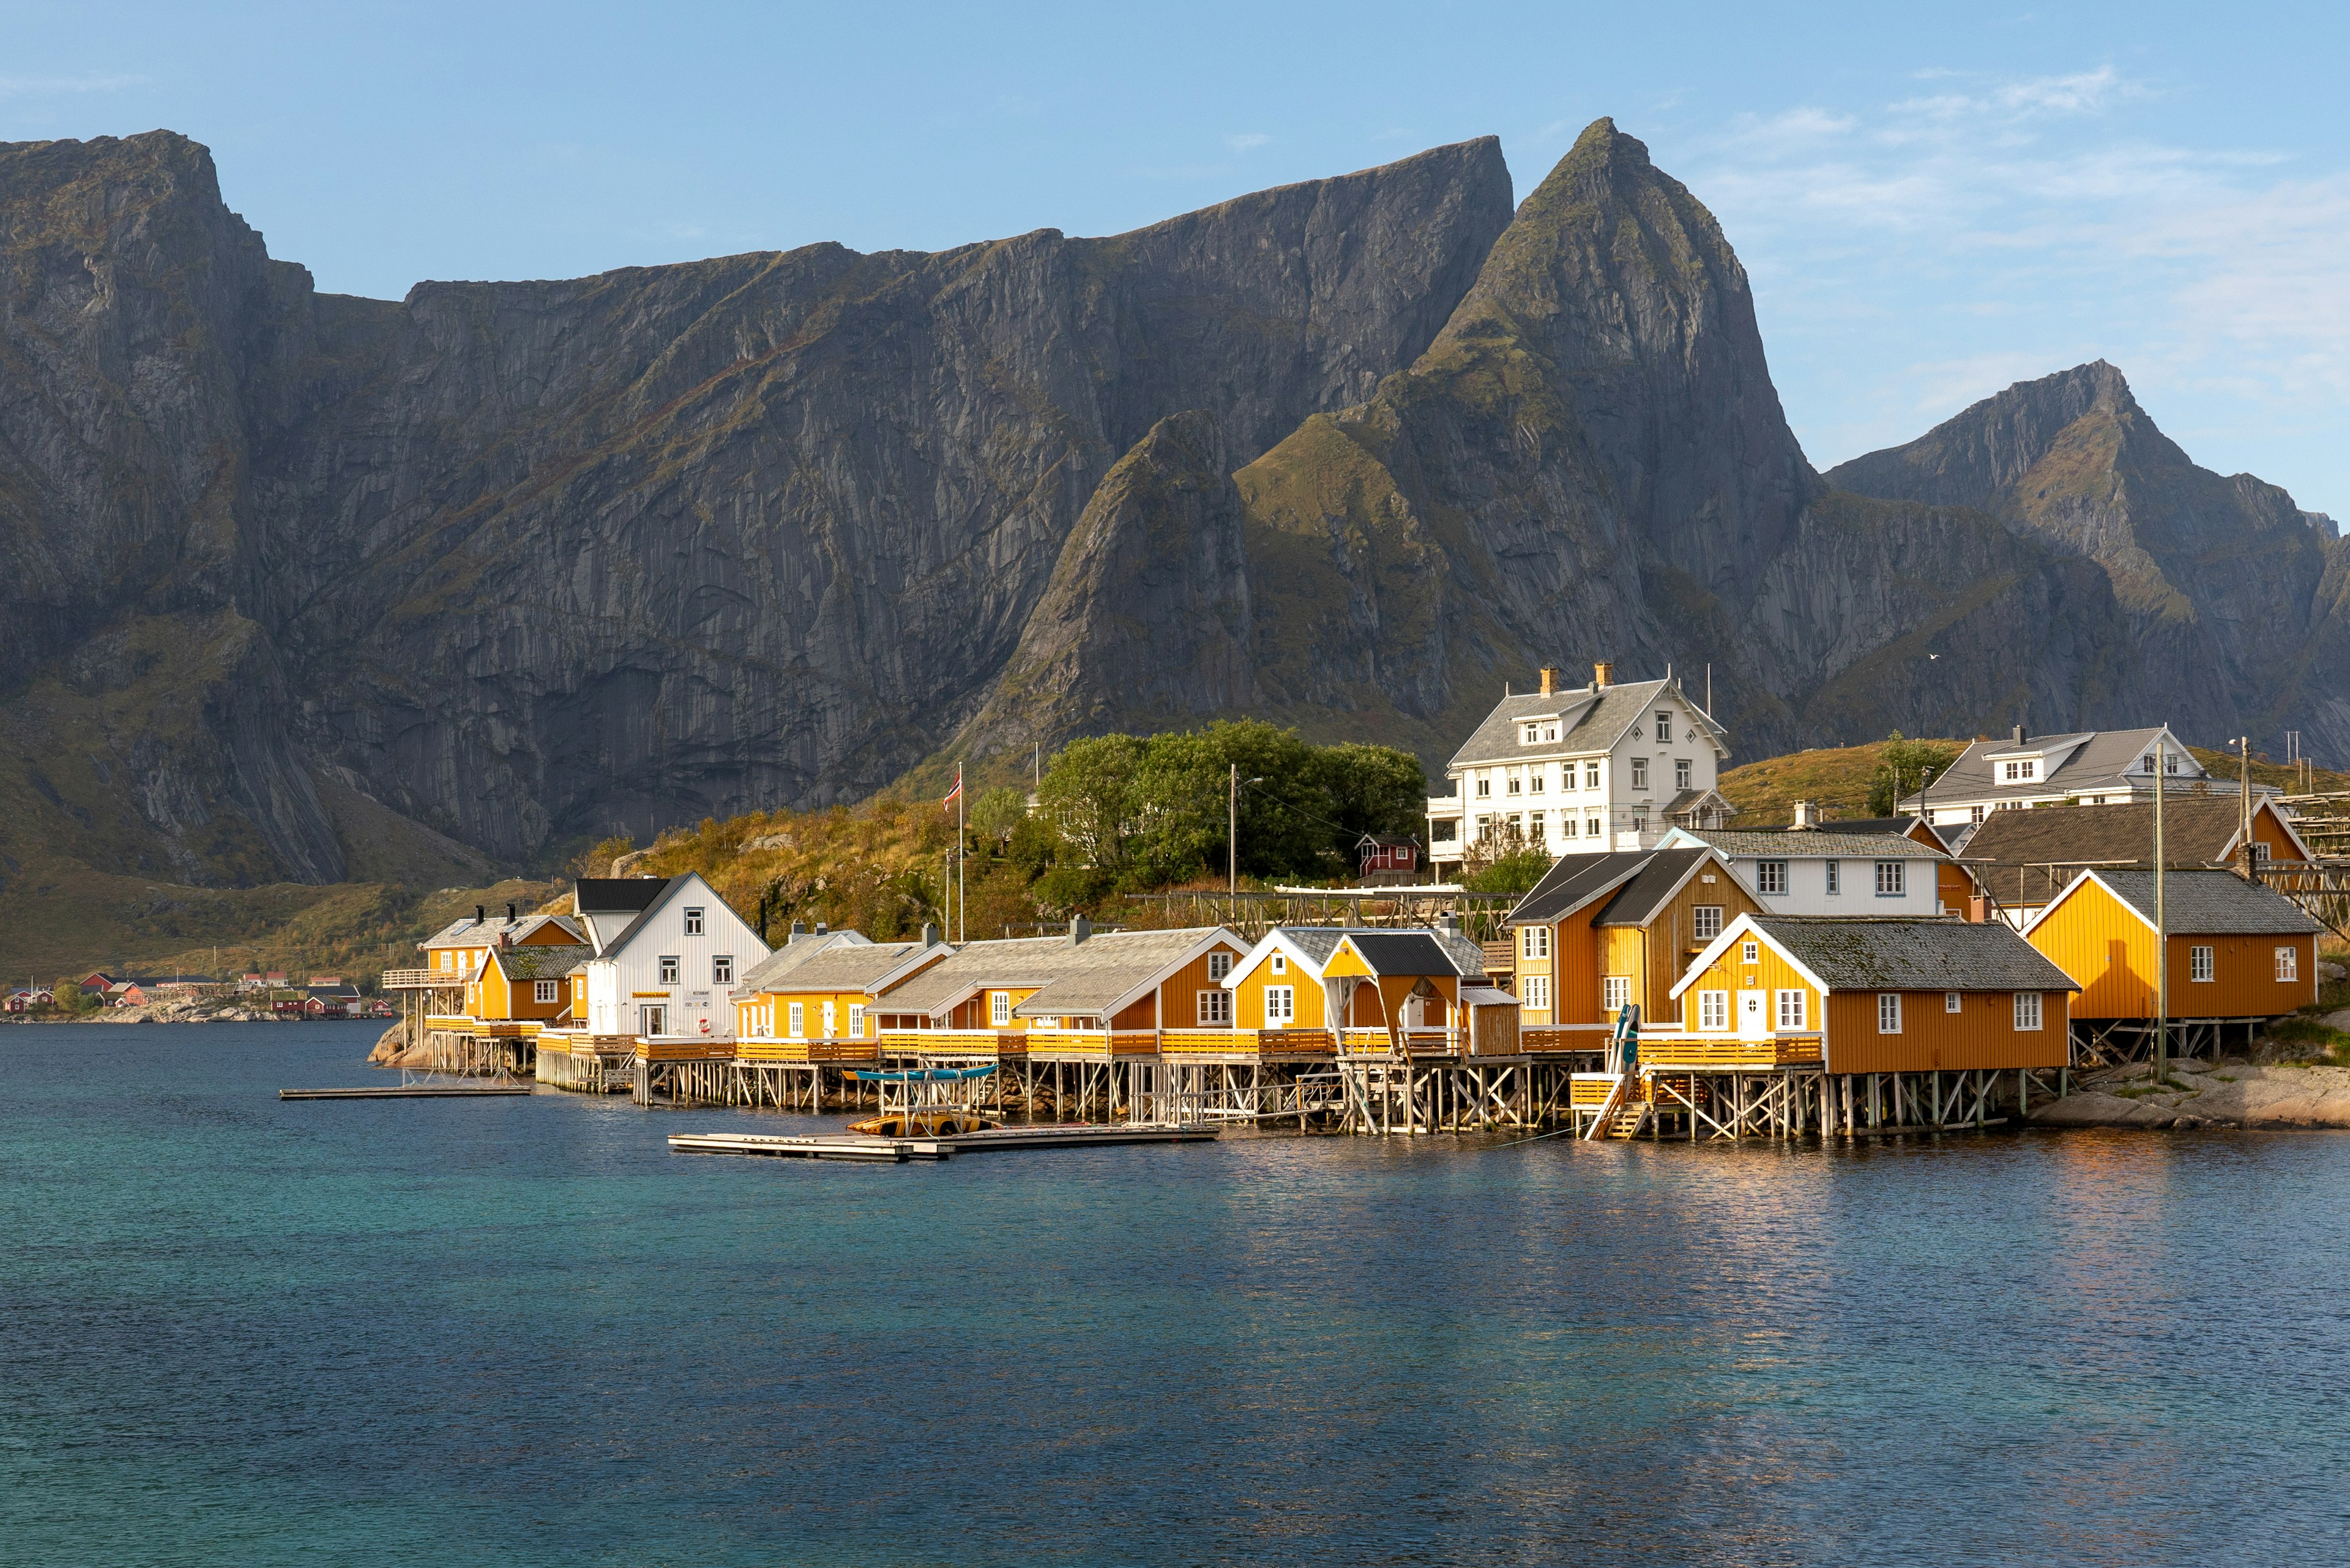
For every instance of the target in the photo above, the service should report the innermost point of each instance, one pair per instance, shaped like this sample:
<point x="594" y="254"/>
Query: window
<point x="1513" y="786"/>
<point x="2288" y="963"/>
<point x="1836" y="877"/>
<point x="1616" y="992"/>
<point x="1664" y="726"/>
<point x="1280" y="1005"/>
<point x="1591" y="775"/>
<point x="1536" y="833"/>
<point x="1888" y="1013"/>
<point x="2199" y="963"/>
<point x="799" y="1020"/>
<point x="2260" y="853"/>
<point x="999" y="1008"/>
<point x="1220" y="965"/>
<point x="1771" y="875"/>
<point x="1534" y="733"/>
<point x="1537" y="780"/>
<point x="1705" y="922"/>
<point x="1951" y="1000"/>
<point x="669" y="970"/>
<point x="2146" y="763"/>
<point x="1889" y="882"/>
<point x="1975" y="815"/>
<point x="1537" y="995"/>
<point x="1442" y="832"/>
<point x="1682" y="773"/>
<point x="1215" y="1008"/>
<point x="1484" y="786"/>
<point x="1714" y="1011"/>
<point x="1280" y="964"/>
<point x="1639" y="772"/>
<point x="722" y="970"/>
<point x="1591" y="827"/>
<point x="2169" y="761"/>
<point x="543" y="993"/>
<point x="857" y="1021"/>
<point x="2019" y="772"/>
<point x="693" y="922"/>
<point x="1485" y="827"/>
<point x="1749" y="952"/>
<point x="2027" y="1011"/>
<point x="1536" y="940"/>
<point x="1791" y="1008"/>
<point x="1518" y="824"/>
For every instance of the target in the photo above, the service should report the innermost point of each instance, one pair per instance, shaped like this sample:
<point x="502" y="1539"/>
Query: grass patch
<point x="2323" y="1046"/>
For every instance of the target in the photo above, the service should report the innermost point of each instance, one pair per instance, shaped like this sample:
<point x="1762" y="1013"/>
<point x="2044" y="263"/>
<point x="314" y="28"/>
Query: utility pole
<point x="1233" y="835"/>
<point x="2161" y="930"/>
<point x="2244" y="804"/>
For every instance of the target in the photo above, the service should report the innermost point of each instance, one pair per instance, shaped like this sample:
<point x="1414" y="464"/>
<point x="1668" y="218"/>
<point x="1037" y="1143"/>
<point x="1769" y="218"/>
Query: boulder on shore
<point x="2231" y="1093"/>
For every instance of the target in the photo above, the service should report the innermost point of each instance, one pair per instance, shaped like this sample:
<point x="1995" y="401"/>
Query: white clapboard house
<point x="669" y="953"/>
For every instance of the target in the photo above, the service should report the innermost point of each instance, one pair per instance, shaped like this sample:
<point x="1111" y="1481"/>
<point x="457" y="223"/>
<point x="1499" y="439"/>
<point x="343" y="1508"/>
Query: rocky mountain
<point x="301" y="586"/>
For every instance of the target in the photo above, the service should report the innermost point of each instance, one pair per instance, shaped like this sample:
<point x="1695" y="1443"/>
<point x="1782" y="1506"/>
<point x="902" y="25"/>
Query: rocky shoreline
<point x="2229" y="1092"/>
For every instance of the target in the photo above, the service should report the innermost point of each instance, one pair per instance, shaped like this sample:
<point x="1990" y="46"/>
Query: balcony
<point x="1092" y="1045"/>
<point x="992" y="1044"/>
<point x="1722" y="1053"/>
<point x="1444" y="805"/>
<point x="763" y="1049"/>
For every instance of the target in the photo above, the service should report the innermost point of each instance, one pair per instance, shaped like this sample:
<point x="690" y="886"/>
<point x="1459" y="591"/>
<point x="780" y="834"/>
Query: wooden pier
<point x="408" y="1092"/>
<point x="859" y="1146"/>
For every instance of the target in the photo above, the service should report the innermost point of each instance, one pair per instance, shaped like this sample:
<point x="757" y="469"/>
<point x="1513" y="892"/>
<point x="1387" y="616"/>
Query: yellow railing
<point x="1758" y="1055"/>
<point x="766" y="1050"/>
<point x="957" y="1041"/>
<point x="1589" y="1091"/>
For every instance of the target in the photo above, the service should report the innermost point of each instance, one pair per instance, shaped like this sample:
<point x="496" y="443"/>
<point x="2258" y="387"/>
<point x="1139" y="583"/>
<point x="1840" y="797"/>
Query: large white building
<point x="1579" y="770"/>
<point x="1815" y="872"/>
<point x="2092" y="767"/>
<point x="669" y="953"/>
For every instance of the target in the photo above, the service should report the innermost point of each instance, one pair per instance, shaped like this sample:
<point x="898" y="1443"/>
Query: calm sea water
<point x="237" y="1331"/>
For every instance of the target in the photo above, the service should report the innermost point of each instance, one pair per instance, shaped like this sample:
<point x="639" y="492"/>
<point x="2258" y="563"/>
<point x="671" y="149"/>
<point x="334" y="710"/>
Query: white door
<point x="1753" y="1023"/>
<point x="652" y="1020"/>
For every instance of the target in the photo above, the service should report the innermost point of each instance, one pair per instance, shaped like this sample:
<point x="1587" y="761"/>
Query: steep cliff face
<point x="538" y="559"/>
<point x="1589" y="464"/>
<point x="2229" y="589"/>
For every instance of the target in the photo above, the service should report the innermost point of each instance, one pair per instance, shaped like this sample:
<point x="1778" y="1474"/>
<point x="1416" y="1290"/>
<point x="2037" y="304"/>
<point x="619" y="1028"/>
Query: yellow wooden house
<point x="816" y="998"/>
<point x="1308" y="990"/>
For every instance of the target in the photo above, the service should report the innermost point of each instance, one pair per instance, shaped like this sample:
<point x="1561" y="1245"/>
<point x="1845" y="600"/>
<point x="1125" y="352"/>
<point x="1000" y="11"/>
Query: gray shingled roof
<point x="1924" y="953"/>
<point x="1080" y="980"/>
<point x="1797" y="844"/>
<point x="1585" y="723"/>
<point x="844" y="966"/>
<point x="2100" y="759"/>
<point x="2027" y="857"/>
<point x="2209" y="903"/>
<point x="472" y="933"/>
<point x="793" y="954"/>
<point x="543" y="963"/>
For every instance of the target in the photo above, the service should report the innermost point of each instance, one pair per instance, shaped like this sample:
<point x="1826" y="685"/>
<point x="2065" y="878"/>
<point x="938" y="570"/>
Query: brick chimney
<point x="1549" y="681"/>
<point x="1603" y="676"/>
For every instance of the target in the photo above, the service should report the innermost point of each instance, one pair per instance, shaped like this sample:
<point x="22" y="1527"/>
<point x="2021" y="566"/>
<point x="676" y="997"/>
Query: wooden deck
<point x="895" y="1150"/>
<point x="1722" y="1054"/>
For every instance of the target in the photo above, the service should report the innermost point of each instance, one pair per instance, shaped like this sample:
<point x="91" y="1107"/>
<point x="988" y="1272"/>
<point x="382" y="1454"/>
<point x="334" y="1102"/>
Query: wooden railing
<point x="1759" y="1055"/>
<point x="685" y="1048"/>
<point x="1589" y="1091"/>
<point x="412" y="979"/>
<point x="762" y="1049"/>
<point x="1246" y="1042"/>
<point x="957" y="1041"/>
<point x="1535" y="1038"/>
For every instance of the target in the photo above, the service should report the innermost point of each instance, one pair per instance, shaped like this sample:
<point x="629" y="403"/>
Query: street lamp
<point x="1232" y="827"/>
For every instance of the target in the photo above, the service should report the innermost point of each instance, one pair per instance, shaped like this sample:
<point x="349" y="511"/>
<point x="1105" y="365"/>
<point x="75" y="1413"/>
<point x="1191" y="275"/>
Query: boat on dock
<point x="930" y="1103"/>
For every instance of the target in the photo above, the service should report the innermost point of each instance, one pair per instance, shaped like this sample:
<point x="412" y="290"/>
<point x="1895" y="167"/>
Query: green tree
<point x="1371" y="789"/>
<point x="997" y="813"/>
<point x="1092" y="794"/>
<point x="1901" y="766"/>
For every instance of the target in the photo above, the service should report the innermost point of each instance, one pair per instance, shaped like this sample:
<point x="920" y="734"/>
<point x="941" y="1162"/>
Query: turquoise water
<point x="522" y="1332"/>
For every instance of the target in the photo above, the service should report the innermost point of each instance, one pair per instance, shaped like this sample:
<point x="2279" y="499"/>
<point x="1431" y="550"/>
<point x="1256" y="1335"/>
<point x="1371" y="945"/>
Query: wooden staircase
<point x="1629" y="1120"/>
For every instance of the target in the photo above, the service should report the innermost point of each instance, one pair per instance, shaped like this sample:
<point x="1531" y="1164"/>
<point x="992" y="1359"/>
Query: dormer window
<point x="1536" y="732"/>
<point x="2020" y="772"/>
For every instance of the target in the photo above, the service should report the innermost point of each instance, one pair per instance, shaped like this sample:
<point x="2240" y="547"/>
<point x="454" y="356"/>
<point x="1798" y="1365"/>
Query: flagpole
<point x="962" y="895"/>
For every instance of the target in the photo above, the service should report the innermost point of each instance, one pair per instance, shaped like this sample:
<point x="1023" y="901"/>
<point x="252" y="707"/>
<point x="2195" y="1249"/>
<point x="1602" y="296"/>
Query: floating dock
<point x="861" y="1145"/>
<point x="408" y="1092"/>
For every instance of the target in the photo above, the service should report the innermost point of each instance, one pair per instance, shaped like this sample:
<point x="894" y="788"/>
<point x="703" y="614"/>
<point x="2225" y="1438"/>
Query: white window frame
<point x="1684" y="773"/>
<point x="1705" y="922"/>
<point x="1835" y="879"/>
<point x="1220" y="965"/>
<point x="1892" y="878"/>
<point x="1664" y="726"/>
<point x="1279" y="963"/>
<point x="1537" y="780"/>
<point x="1280" y="1005"/>
<point x="1535" y="941"/>
<point x="1749" y="952"/>
<point x="1514" y="785"/>
<point x="1615" y="993"/>
<point x="543" y="993"/>
<point x="1771" y="878"/>
<point x="1531" y="736"/>
<point x="2199" y="967"/>
<point x="999" y="1009"/>
<point x="693" y="922"/>
<point x="1953" y="1000"/>
<point x="1537" y="998"/>
<point x="857" y="1021"/>
<point x="1484" y="786"/>
<point x="1790" y="1006"/>
<point x="1214" y="1008"/>
<point x="722" y="970"/>
<point x="1888" y="1013"/>
<point x="797" y="1019"/>
<point x="1591" y="775"/>
<point x="1591" y="828"/>
<point x="2028" y="1013"/>
<point x="2288" y="965"/>
<point x="670" y="968"/>
<point x="1713" y="1012"/>
<point x="1639" y="772"/>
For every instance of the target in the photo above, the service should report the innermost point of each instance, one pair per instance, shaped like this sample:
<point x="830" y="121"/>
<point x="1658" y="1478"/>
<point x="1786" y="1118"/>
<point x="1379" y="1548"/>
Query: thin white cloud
<point x="36" y="85"/>
<point x="1246" y="140"/>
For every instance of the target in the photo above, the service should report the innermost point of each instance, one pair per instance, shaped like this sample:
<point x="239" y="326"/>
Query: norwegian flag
<point x="953" y="795"/>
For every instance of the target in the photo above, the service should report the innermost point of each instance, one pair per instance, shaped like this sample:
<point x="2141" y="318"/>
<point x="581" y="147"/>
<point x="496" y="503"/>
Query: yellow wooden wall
<point x="1248" y="1003"/>
<point x="1770" y="972"/>
<point x="1178" y="995"/>
<point x="813" y="1001"/>
<point x="1981" y="1033"/>
<point x="2109" y="953"/>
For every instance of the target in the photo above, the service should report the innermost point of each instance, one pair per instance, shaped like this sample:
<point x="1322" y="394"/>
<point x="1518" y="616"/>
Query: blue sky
<point x="1930" y="206"/>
